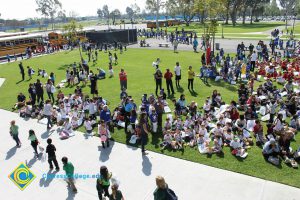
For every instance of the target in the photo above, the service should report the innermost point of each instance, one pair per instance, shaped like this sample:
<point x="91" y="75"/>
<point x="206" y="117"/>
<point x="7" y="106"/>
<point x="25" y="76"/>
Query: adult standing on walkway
<point x="103" y="182"/>
<point x="191" y="75"/>
<point x="69" y="169"/>
<point x="34" y="141"/>
<point x="158" y="80"/>
<point x="39" y="91"/>
<point x="50" y="89"/>
<point x="48" y="113"/>
<point x="177" y="70"/>
<point x="50" y="150"/>
<point x="162" y="192"/>
<point x="253" y="60"/>
<point x="14" y="132"/>
<point x="123" y="79"/>
<point x="143" y="124"/>
<point x="168" y="76"/>
<point x="22" y="71"/>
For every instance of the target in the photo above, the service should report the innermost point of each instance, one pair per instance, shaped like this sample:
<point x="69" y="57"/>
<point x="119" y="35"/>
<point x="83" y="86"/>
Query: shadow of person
<point x="71" y="194"/>
<point x="147" y="166"/>
<point x="193" y="93"/>
<point x="46" y="134"/>
<point x="19" y="82"/>
<point x="31" y="162"/>
<point x="105" y="152"/>
<point x="87" y="136"/>
<point x="180" y="89"/>
<point x="47" y="178"/>
<point x="11" y="152"/>
<point x="155" y="139"/>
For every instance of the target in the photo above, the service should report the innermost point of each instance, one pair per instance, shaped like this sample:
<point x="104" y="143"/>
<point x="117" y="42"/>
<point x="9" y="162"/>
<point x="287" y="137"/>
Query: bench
<point x="163" y="45"/>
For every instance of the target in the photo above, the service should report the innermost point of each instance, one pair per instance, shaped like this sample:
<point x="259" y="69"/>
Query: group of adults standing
<point x="168" y="76"/>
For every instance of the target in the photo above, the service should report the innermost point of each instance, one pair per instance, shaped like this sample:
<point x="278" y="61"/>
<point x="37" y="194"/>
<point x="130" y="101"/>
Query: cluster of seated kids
<point x="209" y="127"/>
<point x="233" y="69"/>
<point x="238" y="125"/>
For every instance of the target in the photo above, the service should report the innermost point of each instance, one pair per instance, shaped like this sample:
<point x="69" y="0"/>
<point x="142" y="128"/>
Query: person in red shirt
<point x="258" y="131"/>
<point x="123" y="79"/>
<point x="234" y="114"/>
<point x="168" y="76"/>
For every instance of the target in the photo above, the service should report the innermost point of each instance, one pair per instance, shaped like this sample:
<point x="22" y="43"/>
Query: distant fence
<point x="22" y="28"/>
<point x="162" y="17"/>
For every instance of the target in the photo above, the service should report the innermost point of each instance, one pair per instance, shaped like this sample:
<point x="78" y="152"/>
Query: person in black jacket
<point x="50" y="150"/>
<point x="39" y="90"/>
<point x="32" y="93"/>
<point x="22" y="71"/>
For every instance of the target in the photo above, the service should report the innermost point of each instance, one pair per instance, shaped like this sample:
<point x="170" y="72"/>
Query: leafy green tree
<point x="115" y="14"/>
<point x="72" y="31"/>
<point x="272" y="9"/>
<point x="106" y="13"/>
<point x="100" y="13"/>
<point x="288" y="6"/>
<point x="155" y="6"/>
<point x="49" y="8"/>
<point x="129" y="12"/>
<point x="186" y="8"/>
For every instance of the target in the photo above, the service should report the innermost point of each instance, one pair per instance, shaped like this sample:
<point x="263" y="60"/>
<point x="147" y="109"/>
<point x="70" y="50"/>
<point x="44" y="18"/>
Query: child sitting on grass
<point x="167" y="142"/>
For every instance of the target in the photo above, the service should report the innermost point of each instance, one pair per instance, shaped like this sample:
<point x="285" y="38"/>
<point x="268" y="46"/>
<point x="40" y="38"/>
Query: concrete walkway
<point x="229" y="45"/>
<point x="191" y="181"/>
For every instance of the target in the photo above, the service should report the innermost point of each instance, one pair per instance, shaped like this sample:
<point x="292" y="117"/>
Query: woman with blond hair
<point x="162" y="192"/>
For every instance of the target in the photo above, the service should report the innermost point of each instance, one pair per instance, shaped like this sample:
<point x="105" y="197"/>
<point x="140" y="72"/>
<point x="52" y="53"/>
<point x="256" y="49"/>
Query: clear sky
<point x="21" y="9"/>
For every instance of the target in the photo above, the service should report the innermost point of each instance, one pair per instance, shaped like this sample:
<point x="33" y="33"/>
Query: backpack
<point x="171" y="195"/>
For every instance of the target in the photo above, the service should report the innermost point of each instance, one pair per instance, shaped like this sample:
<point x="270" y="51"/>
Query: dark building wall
<point x="127" y="36"/>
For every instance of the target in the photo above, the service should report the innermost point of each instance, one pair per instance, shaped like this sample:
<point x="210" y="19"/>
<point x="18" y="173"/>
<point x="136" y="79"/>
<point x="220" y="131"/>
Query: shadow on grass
<point x="193" y="93"/>
<point x="223" y="84"/>
<point x="180" y="90"/>
<point x="19" y="82"/>
<point x="155" y="138"/>
<point x="64" y="67"/>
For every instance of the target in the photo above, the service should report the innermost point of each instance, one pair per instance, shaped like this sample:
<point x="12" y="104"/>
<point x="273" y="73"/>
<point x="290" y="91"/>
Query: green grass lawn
<point x="138" y="65"/>
<point x="239" y="28"/>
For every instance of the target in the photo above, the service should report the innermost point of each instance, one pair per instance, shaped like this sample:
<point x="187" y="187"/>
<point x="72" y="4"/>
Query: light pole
<point x="295" y="14"/>
<point x="222" y="30"/>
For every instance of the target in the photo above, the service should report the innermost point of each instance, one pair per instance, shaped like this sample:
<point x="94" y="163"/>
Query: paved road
<point x="191" y="181"/>
<point x="229" y="45"/>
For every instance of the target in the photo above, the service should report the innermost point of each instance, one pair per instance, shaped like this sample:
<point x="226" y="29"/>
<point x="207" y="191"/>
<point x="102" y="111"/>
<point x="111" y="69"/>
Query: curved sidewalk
<point x="190" y="181"/>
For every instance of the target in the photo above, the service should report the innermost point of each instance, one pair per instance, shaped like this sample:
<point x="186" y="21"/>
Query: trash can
<point x="217" y="46"/>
